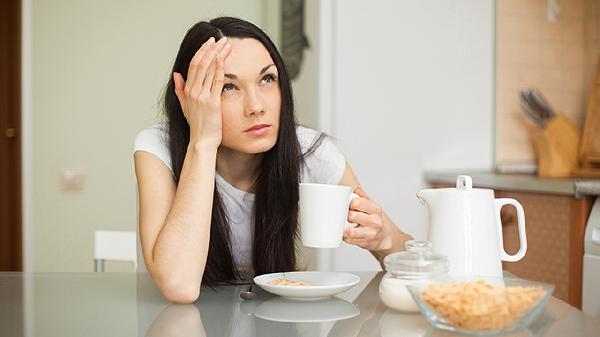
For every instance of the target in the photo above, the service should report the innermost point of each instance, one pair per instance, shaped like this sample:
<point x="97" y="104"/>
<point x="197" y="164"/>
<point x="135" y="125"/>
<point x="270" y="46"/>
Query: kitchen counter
<point x="129" y="304"/>
<point x="579" y="188"/>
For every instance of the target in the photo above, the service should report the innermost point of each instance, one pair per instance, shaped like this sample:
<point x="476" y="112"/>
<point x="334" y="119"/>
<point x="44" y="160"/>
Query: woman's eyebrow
<point x="262" y="71"/>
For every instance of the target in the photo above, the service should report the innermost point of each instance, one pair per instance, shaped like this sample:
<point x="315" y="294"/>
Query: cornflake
<point x="286" y="282"/>
<point x="479" y="306"/>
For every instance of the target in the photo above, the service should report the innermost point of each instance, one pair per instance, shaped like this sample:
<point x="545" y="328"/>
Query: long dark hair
<point x="276" y="186"/>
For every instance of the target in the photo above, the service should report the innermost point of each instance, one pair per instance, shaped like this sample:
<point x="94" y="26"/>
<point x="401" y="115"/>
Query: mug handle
<point x="350" y="224"/>
<point x="521" y="222"/>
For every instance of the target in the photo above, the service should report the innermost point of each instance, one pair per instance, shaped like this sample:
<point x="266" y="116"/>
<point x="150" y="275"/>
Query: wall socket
<point x="72" y="179"/>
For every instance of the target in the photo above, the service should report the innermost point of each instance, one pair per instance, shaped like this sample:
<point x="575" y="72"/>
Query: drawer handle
<point x="10" y="132"/>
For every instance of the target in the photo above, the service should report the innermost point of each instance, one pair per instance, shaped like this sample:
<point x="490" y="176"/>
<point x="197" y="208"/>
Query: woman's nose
<point x="253" y="105"/>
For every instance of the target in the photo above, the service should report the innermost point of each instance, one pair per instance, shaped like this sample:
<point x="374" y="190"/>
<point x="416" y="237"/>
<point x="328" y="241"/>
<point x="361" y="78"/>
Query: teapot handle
<point x="522" y="236"/>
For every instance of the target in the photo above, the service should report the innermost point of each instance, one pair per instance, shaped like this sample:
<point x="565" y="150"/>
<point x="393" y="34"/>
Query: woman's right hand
<point x="200" y="95"/>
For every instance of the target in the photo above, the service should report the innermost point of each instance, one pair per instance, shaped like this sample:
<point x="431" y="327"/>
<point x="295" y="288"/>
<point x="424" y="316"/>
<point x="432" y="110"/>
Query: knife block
<point x="556" y="147"/>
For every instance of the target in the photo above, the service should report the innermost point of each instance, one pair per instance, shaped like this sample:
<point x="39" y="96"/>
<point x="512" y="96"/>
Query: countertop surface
<point x="129" y="304"/>
<point x="579" y="188"/>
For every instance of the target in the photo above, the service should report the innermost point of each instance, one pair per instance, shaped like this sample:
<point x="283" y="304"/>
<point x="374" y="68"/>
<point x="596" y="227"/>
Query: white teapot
<point x="465" y="225"/>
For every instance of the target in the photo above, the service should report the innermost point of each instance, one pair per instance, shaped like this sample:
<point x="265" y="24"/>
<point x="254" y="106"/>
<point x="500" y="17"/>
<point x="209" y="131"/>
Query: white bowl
<point x="321" y="284"/>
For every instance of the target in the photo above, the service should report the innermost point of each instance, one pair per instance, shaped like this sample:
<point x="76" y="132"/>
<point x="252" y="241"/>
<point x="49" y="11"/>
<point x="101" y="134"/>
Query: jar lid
<point x="417" y="261"/>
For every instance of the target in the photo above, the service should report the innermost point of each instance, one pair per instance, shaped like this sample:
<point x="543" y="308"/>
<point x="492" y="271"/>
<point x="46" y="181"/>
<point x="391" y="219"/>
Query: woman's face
<point x="251" y="98"/>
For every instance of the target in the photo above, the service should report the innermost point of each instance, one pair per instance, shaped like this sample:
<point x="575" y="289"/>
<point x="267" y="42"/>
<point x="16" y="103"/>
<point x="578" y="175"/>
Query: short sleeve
<point x="154" y="140"/>
<point x="326" y="164"/>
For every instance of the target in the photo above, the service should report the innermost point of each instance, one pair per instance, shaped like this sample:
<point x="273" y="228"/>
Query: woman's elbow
<point x="181" y="294"/>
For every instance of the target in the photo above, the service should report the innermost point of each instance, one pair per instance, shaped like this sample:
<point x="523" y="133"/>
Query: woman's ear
<point x="179" y="87"/>
<point x="179" y="82"/>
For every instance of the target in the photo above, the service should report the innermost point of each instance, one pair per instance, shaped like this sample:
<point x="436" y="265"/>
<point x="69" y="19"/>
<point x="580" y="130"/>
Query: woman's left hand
<point x="367" y="215"/>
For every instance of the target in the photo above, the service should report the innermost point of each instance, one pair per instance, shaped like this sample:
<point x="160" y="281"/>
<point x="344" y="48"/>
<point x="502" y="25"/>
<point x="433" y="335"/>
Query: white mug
<point x="324" y="214"/>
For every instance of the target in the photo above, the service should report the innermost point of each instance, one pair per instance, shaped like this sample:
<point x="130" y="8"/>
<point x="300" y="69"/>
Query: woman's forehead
<point x="248" y="56"/>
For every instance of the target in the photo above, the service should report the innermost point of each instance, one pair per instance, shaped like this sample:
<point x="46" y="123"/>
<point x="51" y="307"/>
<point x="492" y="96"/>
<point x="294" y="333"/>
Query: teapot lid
<point x="417" y="261"/>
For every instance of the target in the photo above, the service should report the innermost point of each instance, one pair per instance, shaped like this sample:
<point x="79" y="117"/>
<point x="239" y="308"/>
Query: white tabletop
<point x="129" y="304"/>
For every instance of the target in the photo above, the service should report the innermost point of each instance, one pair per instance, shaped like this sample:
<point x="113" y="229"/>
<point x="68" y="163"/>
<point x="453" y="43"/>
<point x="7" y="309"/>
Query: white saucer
<point x="321" y="284"/>
<point x="281" y="309"/>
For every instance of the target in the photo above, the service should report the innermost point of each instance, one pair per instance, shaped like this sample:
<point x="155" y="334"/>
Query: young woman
<point x="218" y="183"/>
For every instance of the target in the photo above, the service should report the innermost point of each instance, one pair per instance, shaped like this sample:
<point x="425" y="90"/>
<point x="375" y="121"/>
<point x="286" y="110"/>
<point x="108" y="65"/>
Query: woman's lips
<point x="258" y="130"/>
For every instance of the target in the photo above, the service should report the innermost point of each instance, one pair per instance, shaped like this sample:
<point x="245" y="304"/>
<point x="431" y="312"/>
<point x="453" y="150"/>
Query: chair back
<point x="114" y="246"/>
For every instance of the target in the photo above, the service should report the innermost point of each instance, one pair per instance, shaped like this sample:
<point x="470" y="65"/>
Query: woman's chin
<point x="259" y="147"/>
<point x="254" y="146"/>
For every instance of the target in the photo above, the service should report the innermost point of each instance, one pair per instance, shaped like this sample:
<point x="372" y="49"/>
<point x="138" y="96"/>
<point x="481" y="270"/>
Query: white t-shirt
<point x="325" y="166"/>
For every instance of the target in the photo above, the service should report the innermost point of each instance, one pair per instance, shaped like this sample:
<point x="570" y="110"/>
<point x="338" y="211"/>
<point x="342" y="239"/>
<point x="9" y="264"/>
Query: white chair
<point x="114" y="246"/>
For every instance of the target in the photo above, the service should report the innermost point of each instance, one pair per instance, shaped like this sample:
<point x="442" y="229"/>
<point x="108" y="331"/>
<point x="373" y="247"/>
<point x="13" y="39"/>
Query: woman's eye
<point x="267" y="79"/>
<point x="228" y="87"/>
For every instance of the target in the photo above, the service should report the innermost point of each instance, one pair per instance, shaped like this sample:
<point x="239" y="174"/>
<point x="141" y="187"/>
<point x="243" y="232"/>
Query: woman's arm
<point x="376" y="232"/>
<point x="175" y="220"/>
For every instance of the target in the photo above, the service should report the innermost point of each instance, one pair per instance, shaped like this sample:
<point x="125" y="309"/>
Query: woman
<point x="218" y="185"/>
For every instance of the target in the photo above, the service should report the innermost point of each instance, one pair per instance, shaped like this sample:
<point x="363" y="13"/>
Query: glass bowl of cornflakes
<point x="481" y="306"/>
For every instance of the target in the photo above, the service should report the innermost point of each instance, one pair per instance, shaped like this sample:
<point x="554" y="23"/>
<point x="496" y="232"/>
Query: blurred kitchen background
<point x="412" y="91"/>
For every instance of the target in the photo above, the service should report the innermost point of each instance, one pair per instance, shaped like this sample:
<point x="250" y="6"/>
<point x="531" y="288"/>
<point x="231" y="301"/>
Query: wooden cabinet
<point x="555" y="227"/>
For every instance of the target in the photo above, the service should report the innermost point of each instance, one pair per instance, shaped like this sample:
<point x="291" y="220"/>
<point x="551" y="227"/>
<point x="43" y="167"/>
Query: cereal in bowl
<point x="479" y="306"/>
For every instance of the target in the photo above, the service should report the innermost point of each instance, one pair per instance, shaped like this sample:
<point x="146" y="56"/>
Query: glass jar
<point x="418" y="264"/>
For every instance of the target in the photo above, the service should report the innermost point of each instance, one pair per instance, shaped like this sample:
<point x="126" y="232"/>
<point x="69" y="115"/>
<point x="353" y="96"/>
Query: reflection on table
<point x="129" y="304"/>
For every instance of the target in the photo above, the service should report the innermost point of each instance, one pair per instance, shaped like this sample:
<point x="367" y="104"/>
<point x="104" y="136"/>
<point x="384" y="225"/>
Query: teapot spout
<point x="425" y="196"/>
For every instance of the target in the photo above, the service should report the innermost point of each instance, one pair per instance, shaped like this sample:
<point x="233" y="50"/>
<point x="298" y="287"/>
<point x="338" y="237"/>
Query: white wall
<point x="413" y="90"/>
<point x="93" y="76"/>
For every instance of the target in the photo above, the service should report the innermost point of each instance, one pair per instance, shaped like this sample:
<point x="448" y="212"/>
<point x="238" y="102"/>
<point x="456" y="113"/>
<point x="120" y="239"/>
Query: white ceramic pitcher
<point x="465" y="225"/>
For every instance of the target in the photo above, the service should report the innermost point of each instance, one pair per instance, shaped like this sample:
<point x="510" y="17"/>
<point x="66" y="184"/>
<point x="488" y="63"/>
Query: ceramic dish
<point x="320" y="285"/>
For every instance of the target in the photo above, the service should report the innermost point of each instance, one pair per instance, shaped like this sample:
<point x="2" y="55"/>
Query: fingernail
<point x="223" y="39"/>
<point x="211" y="40"/>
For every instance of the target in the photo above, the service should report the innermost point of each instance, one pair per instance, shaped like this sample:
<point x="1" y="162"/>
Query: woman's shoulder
<point x="155" y="140"/>
<point x="156" y="131"/>
<point x="323" y="162"/>
<point x="306" y="136"/>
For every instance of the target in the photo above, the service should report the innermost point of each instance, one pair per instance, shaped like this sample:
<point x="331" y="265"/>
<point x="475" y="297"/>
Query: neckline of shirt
<point x="243" y="194"/>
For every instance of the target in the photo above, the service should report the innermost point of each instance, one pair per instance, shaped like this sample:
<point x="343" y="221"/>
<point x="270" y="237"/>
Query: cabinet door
<point x="555" y="228"/>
